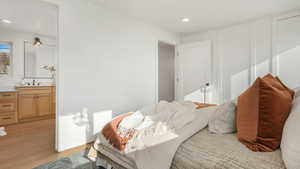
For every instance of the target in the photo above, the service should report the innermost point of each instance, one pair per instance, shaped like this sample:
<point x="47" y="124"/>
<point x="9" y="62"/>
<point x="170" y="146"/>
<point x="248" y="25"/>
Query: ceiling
<point x="32" y="16"/>
<point x="41" y="18"/>
<point x="203" y="14"/>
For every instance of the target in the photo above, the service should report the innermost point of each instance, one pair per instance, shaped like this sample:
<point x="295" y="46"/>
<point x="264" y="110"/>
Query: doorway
<point x="166" y="72"/>
<point x="28" y="72"/>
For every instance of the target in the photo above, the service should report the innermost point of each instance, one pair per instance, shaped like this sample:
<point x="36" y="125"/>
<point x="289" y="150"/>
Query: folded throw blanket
<point x="157" y="152"/>
<point x="164" y="117"/>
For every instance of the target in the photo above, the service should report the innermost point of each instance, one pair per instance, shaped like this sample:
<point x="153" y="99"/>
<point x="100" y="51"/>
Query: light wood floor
<point x="28" y="145"/>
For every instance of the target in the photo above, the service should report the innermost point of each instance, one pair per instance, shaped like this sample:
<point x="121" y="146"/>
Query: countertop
<point x="20" y="86"/>
<point x="7" y="89"/>
<point x="14" y="89"/>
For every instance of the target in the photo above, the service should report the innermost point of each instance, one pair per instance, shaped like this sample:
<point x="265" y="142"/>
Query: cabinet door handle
<point x="6" y="95"/>
<point x="6" y="118"/>
<point x="6" y="105"/>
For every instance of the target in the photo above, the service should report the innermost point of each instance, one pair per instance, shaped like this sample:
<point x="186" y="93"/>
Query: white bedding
<point x="157" y="152"/>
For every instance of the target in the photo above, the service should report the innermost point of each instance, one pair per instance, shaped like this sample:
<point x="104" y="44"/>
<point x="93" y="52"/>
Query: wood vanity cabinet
<point x="27" y="106"/>
<point x="8" y="108"/>
<point x="35" y="103"/>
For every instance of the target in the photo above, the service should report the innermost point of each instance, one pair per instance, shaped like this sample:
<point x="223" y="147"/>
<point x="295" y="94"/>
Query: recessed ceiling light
<point x="185" y="20"/>
<point x="6" y="21"/>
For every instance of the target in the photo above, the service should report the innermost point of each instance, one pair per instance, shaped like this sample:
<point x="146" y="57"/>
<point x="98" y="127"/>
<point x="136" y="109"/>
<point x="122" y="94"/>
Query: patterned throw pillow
<point x="223" y="119"/>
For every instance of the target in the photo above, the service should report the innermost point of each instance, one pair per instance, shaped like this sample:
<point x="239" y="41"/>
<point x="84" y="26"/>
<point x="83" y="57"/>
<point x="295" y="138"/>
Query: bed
<point x="205" y="151"/>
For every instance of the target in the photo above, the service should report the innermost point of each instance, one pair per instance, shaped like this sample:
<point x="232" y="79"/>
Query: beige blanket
<point x="160" y="156"/>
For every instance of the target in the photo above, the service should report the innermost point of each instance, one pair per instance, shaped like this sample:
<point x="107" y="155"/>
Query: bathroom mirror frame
<point x="10" y="69"/>
<point x="37" y="77"/>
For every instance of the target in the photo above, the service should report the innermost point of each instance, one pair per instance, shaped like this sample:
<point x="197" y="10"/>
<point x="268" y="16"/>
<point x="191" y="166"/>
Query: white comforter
<point x="156" y="150"/>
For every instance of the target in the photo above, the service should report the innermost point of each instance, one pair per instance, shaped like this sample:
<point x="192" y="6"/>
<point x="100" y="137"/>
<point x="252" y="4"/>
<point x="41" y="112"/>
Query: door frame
<point x="157" y="71"/>
<point x="57" y="104"/>
<point x="57" y="89"/>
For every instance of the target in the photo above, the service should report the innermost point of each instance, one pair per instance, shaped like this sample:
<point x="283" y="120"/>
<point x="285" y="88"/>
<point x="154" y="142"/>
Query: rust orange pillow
<point x="278" y="83"/>
<point x="292" y="92"/>
<point x="261" y="113"/>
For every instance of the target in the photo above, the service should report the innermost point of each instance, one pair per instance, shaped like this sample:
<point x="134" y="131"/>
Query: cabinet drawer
<point x="7" y="107"/>
<point x="7" y="96"/>
<point x="8" y="119"/>
<point x="35" y="91"/>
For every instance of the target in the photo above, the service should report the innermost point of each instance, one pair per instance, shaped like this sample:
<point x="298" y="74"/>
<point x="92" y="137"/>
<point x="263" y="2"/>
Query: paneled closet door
<point x="235" y="51"/>
<point x="288" y="49"/>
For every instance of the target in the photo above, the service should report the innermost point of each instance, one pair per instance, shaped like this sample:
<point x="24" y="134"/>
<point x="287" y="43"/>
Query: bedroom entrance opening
<point x="166" y="72"/>
<point x="28" y="64"/>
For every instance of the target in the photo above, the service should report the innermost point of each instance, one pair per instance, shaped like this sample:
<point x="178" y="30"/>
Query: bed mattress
<point x="207" y="151"/>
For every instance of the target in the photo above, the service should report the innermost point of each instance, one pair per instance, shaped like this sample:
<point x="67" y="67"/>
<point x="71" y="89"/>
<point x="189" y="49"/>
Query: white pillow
<point x="132" y="121"/>
<point x="147" y="122"/>
<point x="290" y="142"/>
<point x="223" y="119"/>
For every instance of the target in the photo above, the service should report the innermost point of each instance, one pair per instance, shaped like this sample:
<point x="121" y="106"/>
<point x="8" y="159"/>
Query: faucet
<point x="33" y="82"/>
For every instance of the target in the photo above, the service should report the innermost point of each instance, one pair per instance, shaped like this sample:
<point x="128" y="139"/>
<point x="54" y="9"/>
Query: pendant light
<point x="37" y="41"/>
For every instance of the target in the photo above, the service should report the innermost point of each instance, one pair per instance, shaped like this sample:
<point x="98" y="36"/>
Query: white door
<point x="194" y="70"/>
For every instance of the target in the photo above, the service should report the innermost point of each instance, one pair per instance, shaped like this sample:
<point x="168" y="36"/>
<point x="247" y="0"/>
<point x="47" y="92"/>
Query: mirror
<point x="39" y="61"/>
<point x="5" y="57"/>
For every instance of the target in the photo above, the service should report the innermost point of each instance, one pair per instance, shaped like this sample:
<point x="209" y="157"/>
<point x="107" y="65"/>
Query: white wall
<point x="241" y="53"/>
<point x="17" y="69"/>
<point x="288" y="50"/>
<point x="107" y="61"/>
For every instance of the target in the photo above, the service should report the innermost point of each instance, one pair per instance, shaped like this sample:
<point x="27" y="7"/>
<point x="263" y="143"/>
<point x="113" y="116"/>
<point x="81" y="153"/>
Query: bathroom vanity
<point x="31" y="97"/>
<point x="27" y="103"/>
<point x="35" y="103"/>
